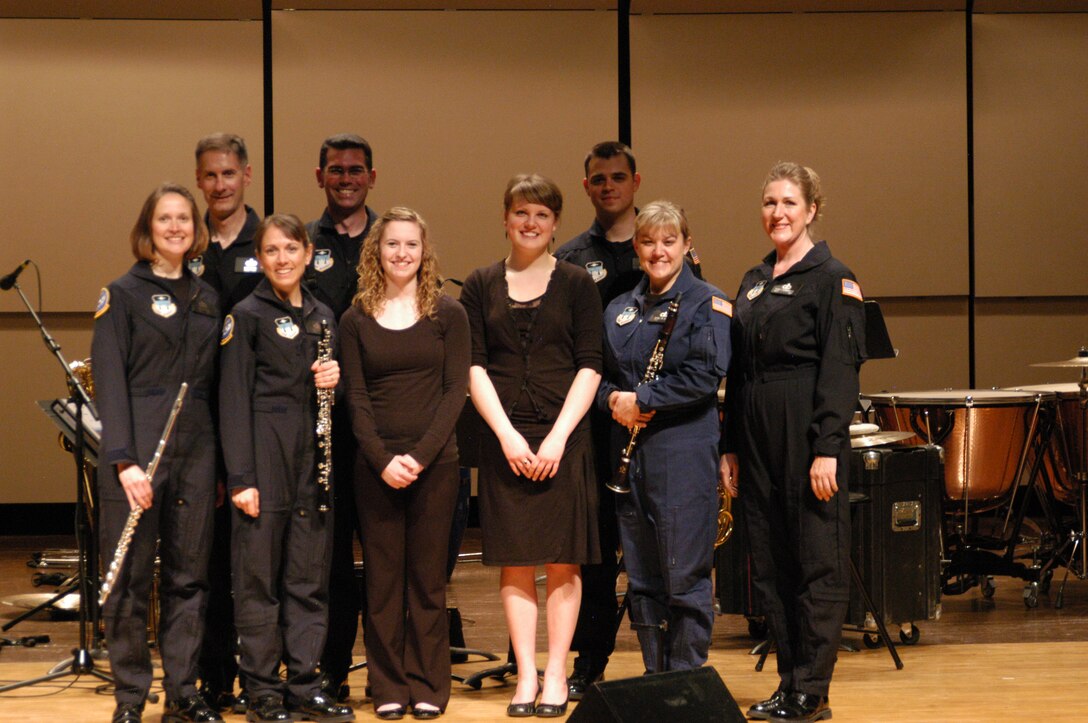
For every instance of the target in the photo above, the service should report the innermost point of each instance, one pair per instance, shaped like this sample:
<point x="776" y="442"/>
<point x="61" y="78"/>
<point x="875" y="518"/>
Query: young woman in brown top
<point x="536" y="362"/>
<point x="405" y="355"/>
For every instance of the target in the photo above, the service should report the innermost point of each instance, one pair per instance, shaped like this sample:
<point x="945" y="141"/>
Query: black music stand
<point x="82" y="661"/>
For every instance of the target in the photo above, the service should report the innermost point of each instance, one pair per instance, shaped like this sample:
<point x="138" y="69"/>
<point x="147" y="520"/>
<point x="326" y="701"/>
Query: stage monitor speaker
<point x="679" y="696"/>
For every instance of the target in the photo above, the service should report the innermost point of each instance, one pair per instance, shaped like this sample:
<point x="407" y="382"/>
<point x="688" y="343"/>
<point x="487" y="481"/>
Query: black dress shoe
<point x="128" y="713"/>
<point x="241" y="703"/>
<point x="762" y="710"/>
<point x="218" y="699"/>
<point x="801" y="707"/>
<point x="320" y="707"/>
<point x="390" y="714"/>
<point x="551" y="710"/>
<point x="580" y="681"/>
<point x="425" y="713"/>
<point x="267" y="709"/>
<point x="191" y="708"/>
<point x="335" y="690"/>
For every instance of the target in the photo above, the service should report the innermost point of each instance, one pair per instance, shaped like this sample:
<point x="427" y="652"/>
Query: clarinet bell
<point x="620" y="483"/>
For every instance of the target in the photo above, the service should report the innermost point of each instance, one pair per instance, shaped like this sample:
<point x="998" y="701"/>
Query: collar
<point x="816" y="255"/>
<point x="245" y="234"/>
<point x="597" y="233"/>
<point x="266" y="293"/>
<point x="325" y="223"/>
<point x="684" y="282"/>
<point x="142" y="270"/>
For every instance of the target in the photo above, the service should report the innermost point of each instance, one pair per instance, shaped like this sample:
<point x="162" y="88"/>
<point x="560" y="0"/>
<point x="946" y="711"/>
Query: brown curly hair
<point x="371" y="294"/>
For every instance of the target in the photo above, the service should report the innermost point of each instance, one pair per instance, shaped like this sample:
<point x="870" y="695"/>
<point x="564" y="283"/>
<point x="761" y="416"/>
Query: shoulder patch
<point x="721" y="306"/>
<point x="852" y="289"/>
<point x="694" y="256"/>
<point x="103" y="304"/>
<point x="228" y="330"/>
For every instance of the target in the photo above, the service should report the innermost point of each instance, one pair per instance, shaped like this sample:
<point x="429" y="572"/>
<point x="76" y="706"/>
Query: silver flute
<point x="134" y="516"/>
<point x="324" y="423"/>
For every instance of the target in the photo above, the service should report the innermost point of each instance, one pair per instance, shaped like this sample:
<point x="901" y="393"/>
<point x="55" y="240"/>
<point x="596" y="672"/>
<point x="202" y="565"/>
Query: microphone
<point x="8" y="281"/>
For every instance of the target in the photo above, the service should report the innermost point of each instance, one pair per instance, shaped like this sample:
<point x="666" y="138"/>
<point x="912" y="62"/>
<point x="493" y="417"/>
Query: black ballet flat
<point x="425" y="713"/>
<point x="552" y="710"/>
<point x="391" y="714"/>
<point x="521" y="710"/>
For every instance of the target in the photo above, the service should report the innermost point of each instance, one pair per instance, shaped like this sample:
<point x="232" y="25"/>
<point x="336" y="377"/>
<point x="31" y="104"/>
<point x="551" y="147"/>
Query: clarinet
<point x="620" y="482"/>
<point x="134" y="516"/>
<point x="324" y="423"/>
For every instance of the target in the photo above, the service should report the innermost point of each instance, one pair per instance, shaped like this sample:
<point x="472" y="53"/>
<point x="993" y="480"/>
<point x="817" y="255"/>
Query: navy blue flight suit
<point x="615" y="269"/>
<point x="333" y="279"/>
<point x="798" y="341"/>
<point x="279" y="561"/>
<point x="233" y="272"/>
<point x="150" y="335"/>
<point x="669" y="520"/>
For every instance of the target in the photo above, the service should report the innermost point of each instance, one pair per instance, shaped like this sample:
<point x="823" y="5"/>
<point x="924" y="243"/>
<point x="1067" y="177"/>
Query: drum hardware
<point x="988" y="437"/>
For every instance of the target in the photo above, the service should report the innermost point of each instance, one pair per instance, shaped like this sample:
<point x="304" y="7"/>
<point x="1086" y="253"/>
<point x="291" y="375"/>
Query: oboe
<point x="134" y="516"/>
<point x="324" y="422"/>
<point x="620" y="483"/>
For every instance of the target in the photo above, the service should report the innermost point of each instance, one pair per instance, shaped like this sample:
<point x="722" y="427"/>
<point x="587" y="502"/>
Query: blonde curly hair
<point x="370" y="297"/>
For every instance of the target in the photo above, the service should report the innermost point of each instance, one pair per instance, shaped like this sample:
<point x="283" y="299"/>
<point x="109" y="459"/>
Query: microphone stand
<point x="82" y="660"/>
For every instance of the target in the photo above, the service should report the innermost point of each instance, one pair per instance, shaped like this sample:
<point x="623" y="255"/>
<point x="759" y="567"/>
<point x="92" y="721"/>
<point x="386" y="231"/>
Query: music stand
<point x="82" y="661"/>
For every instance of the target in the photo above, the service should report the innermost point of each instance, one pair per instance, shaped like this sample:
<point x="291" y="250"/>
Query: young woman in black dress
<point x="536" y="363"/>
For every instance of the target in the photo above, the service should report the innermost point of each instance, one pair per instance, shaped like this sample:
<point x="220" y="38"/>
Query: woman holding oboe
<point x="277" y="347"/>
<point x="155" y="328"/>
<point x="668" y="520"/>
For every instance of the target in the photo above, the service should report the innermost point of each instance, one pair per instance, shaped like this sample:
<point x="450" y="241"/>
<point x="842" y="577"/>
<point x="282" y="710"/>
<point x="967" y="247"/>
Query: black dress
<point x="532" y="355"/>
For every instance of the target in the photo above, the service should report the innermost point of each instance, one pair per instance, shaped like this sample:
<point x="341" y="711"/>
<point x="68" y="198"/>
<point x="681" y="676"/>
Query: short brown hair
<point x="143" y="248"/>
<point x="225" y="142"/>
<point x="533" y="188"/>
<point x="290" y="224"/>
<point x="611" y="149"/>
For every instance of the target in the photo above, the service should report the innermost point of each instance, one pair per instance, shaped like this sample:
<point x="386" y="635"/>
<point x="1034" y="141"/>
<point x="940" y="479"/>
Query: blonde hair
<point x="804" y="178"/>
<point x="370" y="297"/>
<point x="663" y="214"/>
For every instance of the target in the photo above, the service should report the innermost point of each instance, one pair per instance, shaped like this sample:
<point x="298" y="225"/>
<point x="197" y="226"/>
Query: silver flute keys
<point x="324" y="422"/>
<point x="134" y="516"/>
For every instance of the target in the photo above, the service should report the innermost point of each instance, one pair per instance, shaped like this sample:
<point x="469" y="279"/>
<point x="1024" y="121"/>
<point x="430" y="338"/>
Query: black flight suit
<point x="147" y="341"/>
<point x="234" y="272"/>
<point x="333" y="279"/>
<point x="279" y="559"/>
<point x="615" y="269"/>
<point x="798" y="341"/>
<point x="668" y="522"/>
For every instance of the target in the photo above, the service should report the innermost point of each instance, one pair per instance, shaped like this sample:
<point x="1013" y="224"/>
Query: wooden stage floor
<point x="983" y="660"/>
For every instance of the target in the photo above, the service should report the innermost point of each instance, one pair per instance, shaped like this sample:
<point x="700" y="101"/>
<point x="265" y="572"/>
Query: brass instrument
<point x="125" y="541"/>
<point x="82" y="371"/>
<point x="725" y="516"/>
<point x="324" y="422"/>
<point x="620" y="482"/>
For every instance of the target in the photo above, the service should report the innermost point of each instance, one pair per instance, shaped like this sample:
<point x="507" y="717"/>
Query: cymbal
<point x="863" y="428"/>
<point x="875" y="440"/>
<point x="1080" y="360"/>
<point x="28" y="601"/>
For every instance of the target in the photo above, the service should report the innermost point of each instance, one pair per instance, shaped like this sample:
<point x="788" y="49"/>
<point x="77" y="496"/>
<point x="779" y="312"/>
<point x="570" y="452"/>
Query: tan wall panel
<point x="96" y="114"/>
<point x="1013" y="334"/>
<point x="1030" y="116"/>
<point x="33" y="468"/>
<point x="931" y="336"/>
<point x="873" y="101"/>
<point x="453" y="104"/>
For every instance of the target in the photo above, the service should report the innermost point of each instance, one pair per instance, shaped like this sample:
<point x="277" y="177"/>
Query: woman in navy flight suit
<point x="792" y="390"/>
<point x="280" y="540"/>
<point x="155" y="328"/>
<point x="668" y="522"/>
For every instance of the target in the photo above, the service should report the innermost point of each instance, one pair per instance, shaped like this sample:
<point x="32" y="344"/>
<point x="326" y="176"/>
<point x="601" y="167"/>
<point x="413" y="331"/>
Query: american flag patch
<point x="852" y="289"/>
<point x="721" y="306"/>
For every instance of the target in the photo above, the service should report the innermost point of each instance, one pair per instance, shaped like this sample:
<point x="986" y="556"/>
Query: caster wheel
<point x="1031" y="595"/>
<point x="910" y="637"/>
<point x="757" y="629"/>
<point x="986" y="585"/>
<point x="871" y="641"/>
